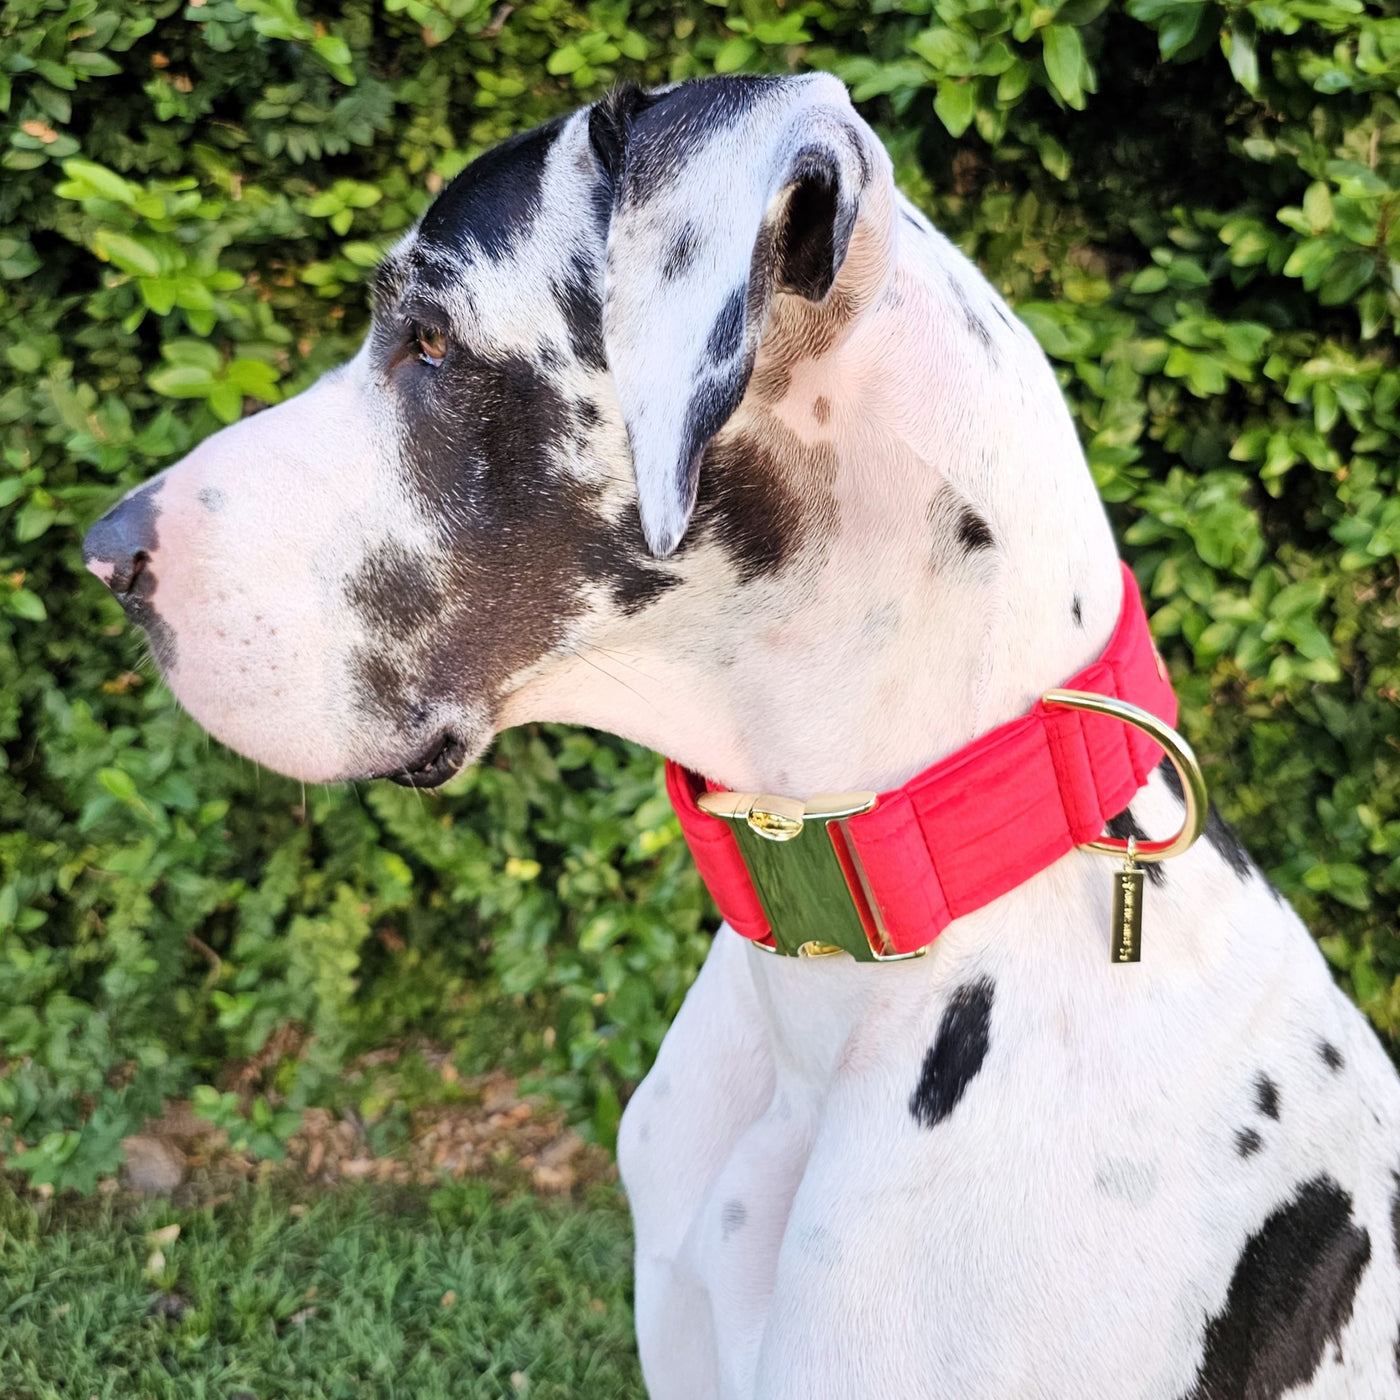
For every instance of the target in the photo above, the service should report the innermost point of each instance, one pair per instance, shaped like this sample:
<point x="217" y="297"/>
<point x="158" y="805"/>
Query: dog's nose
<point x="118" y="548"/>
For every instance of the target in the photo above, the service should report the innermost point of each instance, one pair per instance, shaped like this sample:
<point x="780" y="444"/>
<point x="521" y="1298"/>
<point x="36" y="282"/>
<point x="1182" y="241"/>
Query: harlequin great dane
<point x="676" y="419"/>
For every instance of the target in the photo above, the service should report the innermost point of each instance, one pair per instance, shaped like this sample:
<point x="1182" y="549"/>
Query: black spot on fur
<point x="1331" y="1056"/>
<point x="126" y="538"/>
<point x="635" y="580"/>
<point x="761" y="498"/>
<point x="383" y="685"/>
<point x="582" y="309"/>
<point x="975" y="323"/>
<point x="1218" y="834"/>
<point x="1266" y="1096"/>
<point x="212" y="499"/>
<point x="1247" y="1142"/>
<point x="727" y="333"/>
<point x="395" y="591"/>
<point x="732" y="1217"/>
<point x="496" y="199"/>
<point x="953" y="1060"/>
<point x="1125" y="825"/>
<point x="1003" y="314"/>
<point x="1076" y="611"/>
<point x="1395" y="1242"/>
<point x="680" y="253"/>
<point x="1291" y="1295"/>
<point x="974" y="532"/>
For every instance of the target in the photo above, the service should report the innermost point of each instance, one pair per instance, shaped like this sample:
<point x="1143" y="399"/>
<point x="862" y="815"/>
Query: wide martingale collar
<point x="881" y="876"/>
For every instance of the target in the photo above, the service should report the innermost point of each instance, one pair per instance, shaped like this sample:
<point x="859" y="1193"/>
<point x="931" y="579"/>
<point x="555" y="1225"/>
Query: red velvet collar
<point x="977" y="823"/>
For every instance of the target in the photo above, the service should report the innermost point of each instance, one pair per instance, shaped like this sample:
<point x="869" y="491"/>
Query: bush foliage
<point x="1194" y="206"/>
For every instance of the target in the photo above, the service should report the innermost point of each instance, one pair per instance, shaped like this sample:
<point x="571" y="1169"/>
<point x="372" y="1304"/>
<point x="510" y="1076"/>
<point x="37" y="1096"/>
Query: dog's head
<point x="354" y="582"/>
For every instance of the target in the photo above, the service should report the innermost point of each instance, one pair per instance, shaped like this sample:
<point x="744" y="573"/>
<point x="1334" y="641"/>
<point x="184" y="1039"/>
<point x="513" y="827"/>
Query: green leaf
<point x="734" y="54"/>
<point x="1178" y="27"/>
<point x="181" y="381"/>
<point x="32" y="520"/>
<point x="565" y="60"/>
<point x="23" y="603"/>
<point x="119" y="784"/>
<point x="126" y="252"/>
<point x="956" y="105"/>
<point x="1237" y="44"/>
<point x="1064" y="62"/>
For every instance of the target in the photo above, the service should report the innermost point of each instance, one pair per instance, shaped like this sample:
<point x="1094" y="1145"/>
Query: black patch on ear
<point x="680" y="253"/>
<point x="710" y="407"/>
<point x="582" y="309"/>
<point x="665" y="132"/>
<point x="727" y="333"/>
<point x="609" y="124"/>
<point x="1291" y="1294"/>
<point x="955" y="1057"/>
<point x="1218" y="834"/>
<point x="1247" y="1142"/>
<point x="1266" y="1097"/>
<point x="1076" y="611"/>
<point x="1125" y="825"/>
<point x="1331" y="1056"/>
<point x="974" y="532"/>
<point x="495" y="199"/>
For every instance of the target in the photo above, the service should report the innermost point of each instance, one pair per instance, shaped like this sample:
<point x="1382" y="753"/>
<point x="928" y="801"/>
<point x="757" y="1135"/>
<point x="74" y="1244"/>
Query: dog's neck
<point x="950" y="558"/>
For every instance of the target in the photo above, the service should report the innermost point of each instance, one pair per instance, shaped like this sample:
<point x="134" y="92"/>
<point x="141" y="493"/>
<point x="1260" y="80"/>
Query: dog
<point x="683" y="382"/>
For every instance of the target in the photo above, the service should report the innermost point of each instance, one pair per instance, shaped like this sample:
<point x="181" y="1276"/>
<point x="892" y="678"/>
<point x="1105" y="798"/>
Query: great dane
<point x="682" y="385"/>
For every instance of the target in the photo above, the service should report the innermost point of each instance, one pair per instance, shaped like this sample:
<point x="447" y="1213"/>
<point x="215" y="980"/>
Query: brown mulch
<point x="490" y="1131"/>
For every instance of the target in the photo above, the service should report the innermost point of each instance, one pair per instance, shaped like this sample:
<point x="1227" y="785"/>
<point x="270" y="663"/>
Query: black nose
<point x="118" y="548"/>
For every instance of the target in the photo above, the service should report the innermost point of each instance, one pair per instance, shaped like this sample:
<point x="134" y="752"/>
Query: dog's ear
<point x="724" y="192"/>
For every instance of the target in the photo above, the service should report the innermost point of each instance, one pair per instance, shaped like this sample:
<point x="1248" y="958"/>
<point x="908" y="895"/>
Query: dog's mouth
<point x="442" y="760"/>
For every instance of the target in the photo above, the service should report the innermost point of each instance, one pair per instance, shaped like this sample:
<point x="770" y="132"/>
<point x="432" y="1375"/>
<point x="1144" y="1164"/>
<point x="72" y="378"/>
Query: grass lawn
<point x="372" y="1291"/>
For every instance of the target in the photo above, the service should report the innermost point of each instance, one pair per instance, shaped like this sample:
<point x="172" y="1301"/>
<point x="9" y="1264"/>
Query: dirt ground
<point x="488" y="1130"/>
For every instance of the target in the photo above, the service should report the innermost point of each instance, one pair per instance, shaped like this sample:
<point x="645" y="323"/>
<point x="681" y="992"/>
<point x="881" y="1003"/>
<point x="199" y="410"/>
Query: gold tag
<point x="1127" y="912"/>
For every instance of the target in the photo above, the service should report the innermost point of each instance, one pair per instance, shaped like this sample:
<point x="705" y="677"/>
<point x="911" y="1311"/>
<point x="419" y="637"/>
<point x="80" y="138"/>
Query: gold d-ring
<point x="1193" y="783"/>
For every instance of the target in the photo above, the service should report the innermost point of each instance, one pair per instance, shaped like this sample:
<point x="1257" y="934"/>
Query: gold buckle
<point x="807" y="873"/>
<point x="1193" y="783"/>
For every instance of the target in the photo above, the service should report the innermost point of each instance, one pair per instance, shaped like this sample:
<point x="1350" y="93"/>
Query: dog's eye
<point x="430" y="344"/>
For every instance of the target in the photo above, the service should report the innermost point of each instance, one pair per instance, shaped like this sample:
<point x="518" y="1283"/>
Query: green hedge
<point x="1193" y="204"/>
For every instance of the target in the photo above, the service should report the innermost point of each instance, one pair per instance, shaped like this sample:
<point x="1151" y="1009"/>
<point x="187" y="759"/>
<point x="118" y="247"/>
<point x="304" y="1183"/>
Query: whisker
<point x="615" y="679"/>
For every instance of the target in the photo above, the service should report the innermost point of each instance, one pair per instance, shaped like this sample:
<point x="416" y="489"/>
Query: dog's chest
<point x="1042" y="1174"/>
